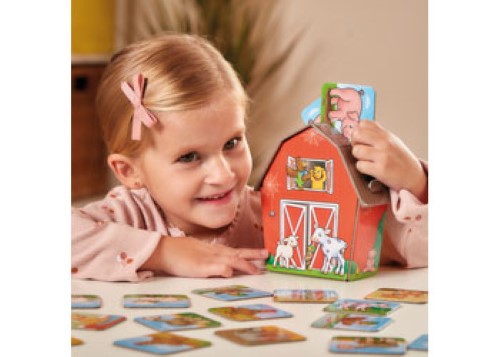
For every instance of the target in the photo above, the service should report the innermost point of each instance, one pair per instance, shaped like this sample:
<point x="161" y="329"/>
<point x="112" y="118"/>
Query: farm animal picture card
<point x="155" y="300"/>
<point x="180" y="321"/>
<point x="162" y="343"/>
<point x="232" y="293"/>
<point x="76" y="341"/>
<point x="342" y="106"/>
<point x="305" y="295"/>
<point x="261" y="335"/>
<point x="249" y="312"/>
<point x="85" y="301"/>
<point x="343" y="321"/>
<point x="399" y="295"/>
<point x="361" y="306"/>
<point x="99" y="322"/>
<point x="368" y="345"/>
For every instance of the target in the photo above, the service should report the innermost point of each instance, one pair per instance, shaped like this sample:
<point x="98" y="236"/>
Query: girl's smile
<point x="221" y="198"/>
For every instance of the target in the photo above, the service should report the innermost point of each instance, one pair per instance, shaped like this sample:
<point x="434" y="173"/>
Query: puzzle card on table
<point x="250" y="312"/>
<point x="399" y="295"/>
<point x="85" y="301"/>
<point x="360" y="306"/>
<point x="305" y="295"/>
<point x="76" y="341"/>
<point x="155" y="300"/>
<point x="420" y="344"/>
<point x="368" y="345"/>
<point x="180" y="321"/>
<point x="85" y="321"/>
<point x="261" y="335"/>
<point x="232" y="293"/>
<point x="162" y="343"/>
<point x="343" y="321"/>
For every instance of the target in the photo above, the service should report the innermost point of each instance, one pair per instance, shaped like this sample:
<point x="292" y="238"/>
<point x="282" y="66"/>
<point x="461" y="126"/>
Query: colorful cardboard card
<point x="85" y="301"/>
<point x="305" y="295"/>
<point x="342" y="105"/>
<point x="250" y="312"/>
<point x="321" y="216"/>
<point x="232" y="293"/>
<point x="354" y="322"/>
<point x="260" y="335"/>
<point x="76" y="341"/>
<point x="368" y="345"/>
<point x="399" y="295"/>
<point x="361" y="306"/>
<point x="155" y="300"/>
<point x="421" y="343"/>
<point x="162" y="343"/>
<point x="99" y="322"/>
<point x="180" y="321"/>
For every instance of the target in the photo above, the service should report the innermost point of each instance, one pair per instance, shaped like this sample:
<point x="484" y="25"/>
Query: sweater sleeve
<point x="111" y="239"/>
<point x="405" y="239"/>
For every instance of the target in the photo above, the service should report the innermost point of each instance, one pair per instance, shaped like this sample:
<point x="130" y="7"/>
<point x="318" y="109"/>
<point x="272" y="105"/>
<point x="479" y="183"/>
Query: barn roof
<point x="370" y="192"/>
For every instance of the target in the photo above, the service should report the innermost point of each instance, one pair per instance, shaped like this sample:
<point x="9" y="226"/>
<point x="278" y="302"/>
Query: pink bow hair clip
<point x="141" y="114"/>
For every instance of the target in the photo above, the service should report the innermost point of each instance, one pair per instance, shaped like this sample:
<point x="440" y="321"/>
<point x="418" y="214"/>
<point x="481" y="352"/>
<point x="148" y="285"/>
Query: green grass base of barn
<point x="318" y="274"/>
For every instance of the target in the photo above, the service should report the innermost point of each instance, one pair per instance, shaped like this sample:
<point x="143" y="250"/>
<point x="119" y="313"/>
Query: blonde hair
<point x="182" y="72"/>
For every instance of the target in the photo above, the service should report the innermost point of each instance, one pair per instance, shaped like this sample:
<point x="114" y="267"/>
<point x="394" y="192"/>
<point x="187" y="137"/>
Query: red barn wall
<point x="366" y="233"/>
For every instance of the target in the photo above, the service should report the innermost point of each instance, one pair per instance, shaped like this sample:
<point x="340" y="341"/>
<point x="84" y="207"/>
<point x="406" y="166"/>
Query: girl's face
<point x="198" y="166"/>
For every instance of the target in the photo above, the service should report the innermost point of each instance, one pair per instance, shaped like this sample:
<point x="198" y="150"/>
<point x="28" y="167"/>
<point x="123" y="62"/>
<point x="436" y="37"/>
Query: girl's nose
<point x="219" y="171"/>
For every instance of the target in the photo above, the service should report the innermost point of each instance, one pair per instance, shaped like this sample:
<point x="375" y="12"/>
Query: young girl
<point x="173" y="111"/>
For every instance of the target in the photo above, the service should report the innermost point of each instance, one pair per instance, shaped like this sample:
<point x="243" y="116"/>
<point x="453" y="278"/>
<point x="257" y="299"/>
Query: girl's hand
<point x="384" y="156"/>
<point x="194" y="258"/>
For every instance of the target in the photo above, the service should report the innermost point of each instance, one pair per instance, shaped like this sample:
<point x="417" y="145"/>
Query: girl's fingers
<point x="218" y="269"/>
<point x="367" y="133"/>
<point x="363" y="152"/>
<point x="247" y="253"/>
<point x="243" y="265"/>
<point x="228" y="259"/>
<point x="367" y="168"/>
<point x="226" y="266"/>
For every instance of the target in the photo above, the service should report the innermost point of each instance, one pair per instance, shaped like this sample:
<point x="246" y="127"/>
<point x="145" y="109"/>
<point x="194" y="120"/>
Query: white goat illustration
<point x="284" y="251"/>
<point x="333" y="249"/>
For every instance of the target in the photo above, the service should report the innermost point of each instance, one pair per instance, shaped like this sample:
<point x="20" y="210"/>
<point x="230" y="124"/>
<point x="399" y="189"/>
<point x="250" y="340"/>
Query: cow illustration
<point x="333" y="250"/>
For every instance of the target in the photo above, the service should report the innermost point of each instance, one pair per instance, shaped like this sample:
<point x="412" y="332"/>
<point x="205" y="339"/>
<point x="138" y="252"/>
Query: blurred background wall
<point x="380" y="43"/>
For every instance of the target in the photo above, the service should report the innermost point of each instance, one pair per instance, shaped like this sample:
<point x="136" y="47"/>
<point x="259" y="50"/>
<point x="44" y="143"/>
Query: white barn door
<point x="293" y="221"/>
<point x="324" y="215"/>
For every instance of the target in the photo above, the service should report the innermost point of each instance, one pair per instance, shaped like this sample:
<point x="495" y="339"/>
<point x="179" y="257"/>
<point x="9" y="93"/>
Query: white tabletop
<point x="410" y="321"/>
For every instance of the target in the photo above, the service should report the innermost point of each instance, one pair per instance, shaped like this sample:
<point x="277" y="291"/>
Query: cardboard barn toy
<point x="321" y="216"/>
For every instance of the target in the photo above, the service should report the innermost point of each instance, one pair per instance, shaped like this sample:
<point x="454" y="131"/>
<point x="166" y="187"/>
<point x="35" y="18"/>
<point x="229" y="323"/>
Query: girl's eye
<point x="190" y="157"/>
<point x="231" y="144"/>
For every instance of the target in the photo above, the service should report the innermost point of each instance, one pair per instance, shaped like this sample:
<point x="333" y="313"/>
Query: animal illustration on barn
<point x="333" y="250"/>
<point x="321" y="216"/>
<point x="299" y="172"/>
<point x="284" y="251"/>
